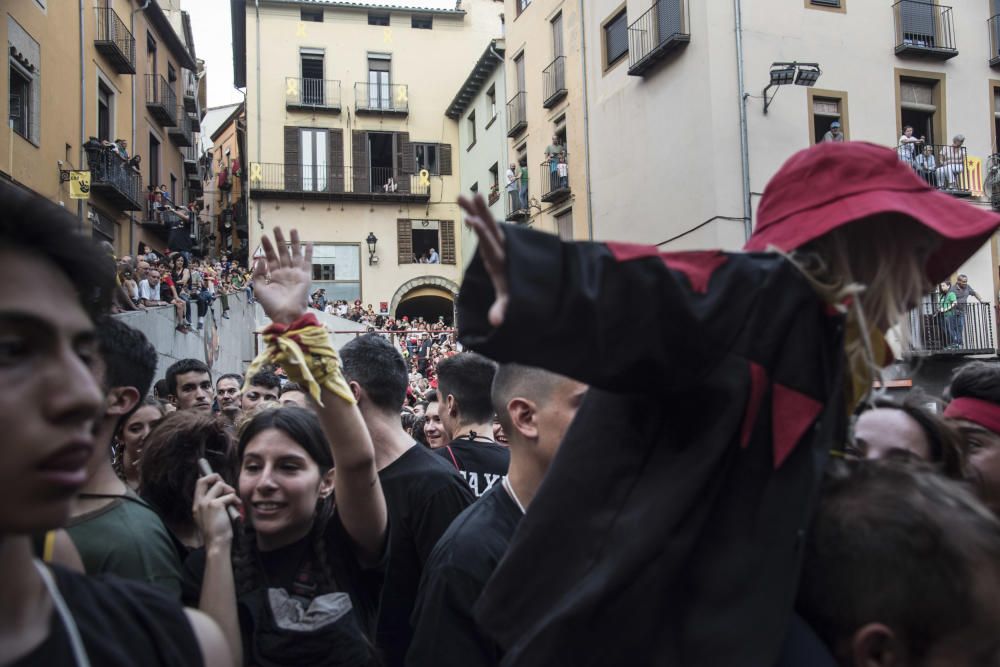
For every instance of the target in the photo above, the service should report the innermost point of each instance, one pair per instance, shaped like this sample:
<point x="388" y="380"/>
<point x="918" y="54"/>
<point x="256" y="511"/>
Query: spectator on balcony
<point x="926" y="164"/>
<point x="121" y="147"/>
<point x="433" y="258"/>
<point x="907" y="148"/>
<point x="553" y="153"/>
<point x="512" y="196"/>
<point x="834" y="133"/>
<point x="563" y="171"/>
<point x="952" y="163"/>
<point x="165" y="197"/>
<point x="523" y="184"/>
<point x="948" y="312"/>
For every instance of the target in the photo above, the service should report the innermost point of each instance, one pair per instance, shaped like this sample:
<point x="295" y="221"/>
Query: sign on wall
<point x="79" y="185"/>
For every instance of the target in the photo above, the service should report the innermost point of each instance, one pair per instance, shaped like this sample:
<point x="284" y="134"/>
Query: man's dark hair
<point x="976" y="379"/>
<point x="292" y="386"/>
<point x="431" y="396"/>
<point x="531" y="382"/>
<point x="265" y="379"/>
<point x="469" y="378"/>
<point x="379" y="368"/>
<point x="180" y="368"/>
<point x="35" y="225"/>
<point x="129" y="358"/>
<point x="160" y="389"/>
<point x="896" y="544"/>
<point x="230" y="376"/>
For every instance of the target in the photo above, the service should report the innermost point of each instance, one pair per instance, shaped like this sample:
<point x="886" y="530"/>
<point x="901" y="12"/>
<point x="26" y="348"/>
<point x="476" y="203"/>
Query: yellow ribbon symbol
<point x="301" y="31"/>
<point x="292" y="88"/>
<point x="256" y="172"/>
<point x="401" y="97"/>
<point x="387" y="35"/>
<point x="425" y="178"/>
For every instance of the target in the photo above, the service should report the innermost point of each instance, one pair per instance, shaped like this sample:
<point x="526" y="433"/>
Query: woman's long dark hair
<point x="303" y="427"/>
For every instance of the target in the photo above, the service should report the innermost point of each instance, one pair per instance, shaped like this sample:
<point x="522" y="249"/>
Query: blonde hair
<point x="875" y="272"/>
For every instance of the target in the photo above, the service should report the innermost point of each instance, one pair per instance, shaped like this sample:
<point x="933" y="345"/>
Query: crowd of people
<point x="708" y="479"/>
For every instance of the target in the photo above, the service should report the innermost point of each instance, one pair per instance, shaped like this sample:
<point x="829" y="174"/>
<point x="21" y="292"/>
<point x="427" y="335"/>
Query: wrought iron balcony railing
<point x="517" y="118"/>
<point x="944" y="167"/>
<point x="313" y="94"/>
<point x="660" y="30"/>
<point x="113" y="177"/>
<point x="182" y="133"/>
<point x="965" y="329"/>
<point x="115" y="41"/>
<point x="924" y="29"/>
<point x="371" y="97"/>
<point x="554" y="82"/>
<point x="274" y="180"/>
<point x="554" y="179"/>
<point x="161" y="100"/>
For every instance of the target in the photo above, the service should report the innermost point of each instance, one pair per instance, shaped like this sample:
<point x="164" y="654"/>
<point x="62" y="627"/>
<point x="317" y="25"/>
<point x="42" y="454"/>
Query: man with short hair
<point x="901" y="567"/>
<point x="422" y="493"/>
<point x="433" y="257"/>
<point x="464" y="383"/>
<point x="113" y="529"/>
<point x="535" y="407"/>
<point x="293" y="393"/>
<point x="962" y="291"/>
<point x="264" y="387"/>
<point x="189" y="385"/>
<point x="833" y="134"/>
<point x="227" y="391"/>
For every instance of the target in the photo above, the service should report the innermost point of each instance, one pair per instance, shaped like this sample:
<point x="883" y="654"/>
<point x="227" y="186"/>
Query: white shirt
<point x="148" y="292"/>
<point x="433" y="259"/>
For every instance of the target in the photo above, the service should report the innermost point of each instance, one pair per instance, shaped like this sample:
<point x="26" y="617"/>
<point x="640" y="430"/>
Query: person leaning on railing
<point x="946" y="305"/>
<point x="952" y="162"/>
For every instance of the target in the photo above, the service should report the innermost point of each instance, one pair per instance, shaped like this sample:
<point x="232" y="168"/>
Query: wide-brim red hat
<point x="832" y="184"/>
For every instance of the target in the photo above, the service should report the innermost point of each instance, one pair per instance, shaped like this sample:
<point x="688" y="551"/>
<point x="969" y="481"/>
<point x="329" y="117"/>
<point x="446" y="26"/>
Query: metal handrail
<point x="111" y="30"/>
<point x="390" y="97"/>
<point x="300" y="91"/>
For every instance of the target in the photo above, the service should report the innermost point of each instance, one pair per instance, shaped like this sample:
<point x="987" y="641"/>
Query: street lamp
<point x="783" y="74"/>
<point x="371" y="240"/>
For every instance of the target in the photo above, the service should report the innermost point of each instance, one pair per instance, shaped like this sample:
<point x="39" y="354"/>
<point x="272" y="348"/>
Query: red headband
<point x="984" y="413"/>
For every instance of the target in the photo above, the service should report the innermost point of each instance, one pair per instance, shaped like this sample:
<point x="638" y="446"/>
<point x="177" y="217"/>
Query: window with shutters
<point x="921" y="104"/>
<point x="313" y="154"/>
<point x="564" y="225"/>
<point x="426" y="157"/>
<point x="827" y="107"/>
<point x="426" y="241"/>
<point x="24" y="92"/>
<point x="491" y="104"/>
<point x="105" y="111"/>
<point x="312" y="86"/>
<point x="20" y="102"/>
<point x="615" y="38"/>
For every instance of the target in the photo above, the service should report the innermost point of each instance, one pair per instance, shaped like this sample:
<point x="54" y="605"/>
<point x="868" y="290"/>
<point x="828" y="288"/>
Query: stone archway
<point x="421" y="283"/>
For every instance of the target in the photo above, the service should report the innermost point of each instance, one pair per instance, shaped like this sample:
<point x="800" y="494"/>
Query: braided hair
<point x="303" y="427"/>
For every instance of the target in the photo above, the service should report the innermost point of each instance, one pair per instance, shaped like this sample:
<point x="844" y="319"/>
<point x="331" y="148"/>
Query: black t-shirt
<point x="423" y="495"/>
<point x="286" y="568"/>
<point x="444" y="629"/>
<point x="482" y="464"/>
<point x="121" y="622"/>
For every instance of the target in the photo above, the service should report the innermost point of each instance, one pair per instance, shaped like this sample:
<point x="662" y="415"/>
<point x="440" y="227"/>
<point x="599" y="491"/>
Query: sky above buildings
<point x="213" y="41"/>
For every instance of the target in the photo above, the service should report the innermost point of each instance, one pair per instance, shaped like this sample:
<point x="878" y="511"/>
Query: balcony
<point x="181" y="133"/>
<point x="381" y="99"/>
<point x="517" y="119"/>
<point x="113" y="178"/>
<point x="115" y="41"/>
<point x="969" y="330"/>
<point x="660" y="31"/>
<point x="191" y="100"/>
<point x="161" y="100"/>
<point x="554" y="80"/>
<point x="991" y="181"/>
<point x="195" y="119"/>
<point x="554" y="177"/>
<point x="314" y="95"/>
<point x="327" y="182"/>
<point x="516" y="209"/>
<point x="924" y="30"/>
<point x="190" y="154"/>
<point x="943" y="167"/>
<point x="163" y="221"/>
<point x="993" y="25"/>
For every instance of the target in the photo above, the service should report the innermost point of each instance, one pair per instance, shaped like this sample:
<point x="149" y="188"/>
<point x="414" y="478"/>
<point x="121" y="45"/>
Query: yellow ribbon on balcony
<point x="292" y="88"/>
<point x="401" y="95"/>
<point x="256" y="173"/>
<point x="425" y="178"/>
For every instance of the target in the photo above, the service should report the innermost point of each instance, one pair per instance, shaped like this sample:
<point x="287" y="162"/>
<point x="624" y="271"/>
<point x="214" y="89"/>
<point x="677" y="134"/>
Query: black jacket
<point x="670" y="527"/>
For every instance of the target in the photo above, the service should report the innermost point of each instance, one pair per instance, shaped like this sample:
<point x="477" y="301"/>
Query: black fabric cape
<point x="669" y="529"/>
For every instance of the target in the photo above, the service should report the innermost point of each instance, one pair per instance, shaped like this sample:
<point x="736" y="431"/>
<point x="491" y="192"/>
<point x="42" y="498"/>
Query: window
<point x="824" y="4"/>
<point x="312" y="89"/>
<point x="521" y="5"/>
<point x="564" y="225"/>
<point x="491" y="100"/>
<point x="495" y="175"/>
<point x="921" y="104"/>
<point x="337" y="269"/>
<point x="422" y="22"/>
<point x="154" y="160"/>
<point x="378" y="18"/>
<point x="379" y="96"/>
<point x="324" y="271"/>
<point x="472" y="129"/>
<point x="557" y="36"/>
<point x="171" y="73"/>
<point x="20" y="101"/>
<point x="313" y="152"/>
<point x="173" y="189"/>
<point x="615" y="39"/>
<point x="150" y="53"/>
<point x="425" y="241"/>
<point x="426" y="157"/>
<point x="312" y="15"/>
<point x="105" y="105"/>
<point x="825" y="108"/>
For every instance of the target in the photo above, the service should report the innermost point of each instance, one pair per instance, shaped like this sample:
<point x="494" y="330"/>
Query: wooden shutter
<point x="335" y="161"/>
<point x="359" y="161"/>
<point x="444" y="157"/>
<point x="404" y="169"/>
<point x="404" y="240"/>
<point x="293" y="160"/>
<point x="447" y="241"/>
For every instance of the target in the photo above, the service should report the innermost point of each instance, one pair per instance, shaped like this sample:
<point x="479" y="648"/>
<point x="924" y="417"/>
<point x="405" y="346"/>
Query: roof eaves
<point x="169" y="36"/>
<point x="371" y="5"/>
<point x="484" y="67"/>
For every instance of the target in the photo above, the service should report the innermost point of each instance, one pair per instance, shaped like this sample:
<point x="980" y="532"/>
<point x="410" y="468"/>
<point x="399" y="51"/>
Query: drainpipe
<point x="135" y="147"/>
<point x="586" y="121"/>
<point x="744" y="140"/>
<point x="83" y="111"/>
<point x="260" y="223"/>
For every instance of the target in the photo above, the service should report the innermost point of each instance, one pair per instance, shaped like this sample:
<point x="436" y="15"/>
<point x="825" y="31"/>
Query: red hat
<point x="831" y="184"/>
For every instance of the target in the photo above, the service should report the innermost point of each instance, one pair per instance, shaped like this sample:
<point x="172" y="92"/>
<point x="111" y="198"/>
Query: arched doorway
<point x="429" y="297"/>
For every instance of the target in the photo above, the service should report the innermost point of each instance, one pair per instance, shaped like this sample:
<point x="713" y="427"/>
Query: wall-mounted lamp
<point x="371" y="241"/>
<point x="783" y="74"/>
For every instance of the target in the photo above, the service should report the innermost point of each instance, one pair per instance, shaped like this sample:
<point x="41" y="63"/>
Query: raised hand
<point x="211" y="498"/>
<point x="282" y="277"/>
<point x="492" y="250"/>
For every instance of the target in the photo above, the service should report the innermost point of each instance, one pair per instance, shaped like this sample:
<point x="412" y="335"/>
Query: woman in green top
<point x="946" y="304"/>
